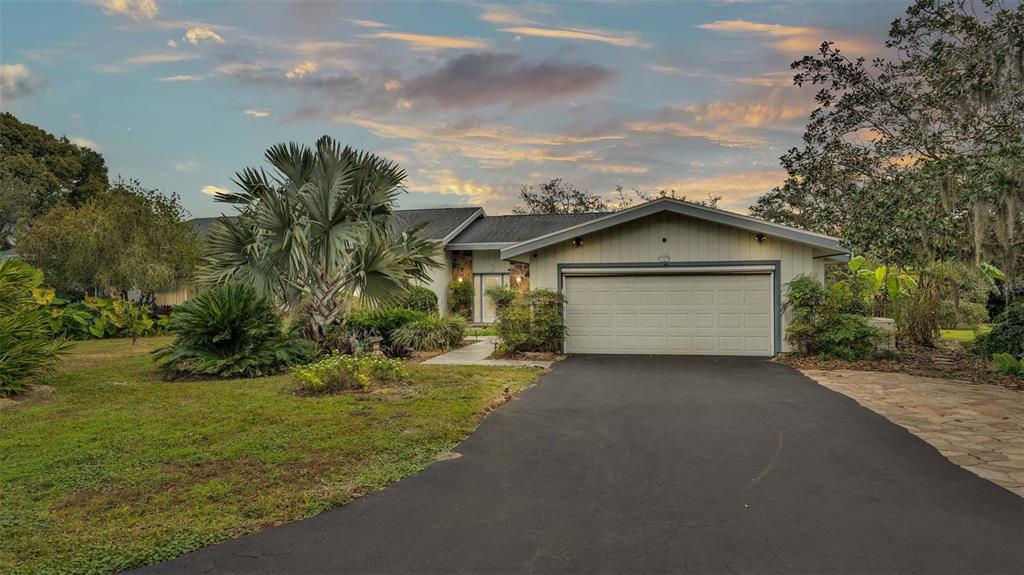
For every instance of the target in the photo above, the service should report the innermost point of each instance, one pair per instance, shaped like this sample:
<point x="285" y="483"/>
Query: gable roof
<point x="715" y="215"/>
<point x="440" y="224"/>
<point x="495" y="232"/>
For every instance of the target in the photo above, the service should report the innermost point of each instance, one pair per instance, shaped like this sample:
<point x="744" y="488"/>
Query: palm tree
<point x="318" y="233"/>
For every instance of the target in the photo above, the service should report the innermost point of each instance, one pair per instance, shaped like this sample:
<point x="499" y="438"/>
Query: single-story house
<point x="663" y="277"/>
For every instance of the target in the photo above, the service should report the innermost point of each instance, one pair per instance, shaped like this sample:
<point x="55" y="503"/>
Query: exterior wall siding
<point x="489" y="262"/>
<point x="439" y="279"/>
<point x="686" y="240"/>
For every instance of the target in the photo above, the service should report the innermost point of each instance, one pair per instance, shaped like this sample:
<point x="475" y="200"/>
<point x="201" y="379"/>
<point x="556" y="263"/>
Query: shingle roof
<point x="509" y="229"/>
<point x="438" y="222"/>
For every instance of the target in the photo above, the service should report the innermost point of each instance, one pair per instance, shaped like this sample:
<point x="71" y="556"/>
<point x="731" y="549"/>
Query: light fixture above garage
<point x="577" y="242"/>
<point x="760" y="238"/>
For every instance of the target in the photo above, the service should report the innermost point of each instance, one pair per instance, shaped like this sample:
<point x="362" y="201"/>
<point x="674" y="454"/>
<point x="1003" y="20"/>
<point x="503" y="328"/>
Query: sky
<point x="472" y="99"/>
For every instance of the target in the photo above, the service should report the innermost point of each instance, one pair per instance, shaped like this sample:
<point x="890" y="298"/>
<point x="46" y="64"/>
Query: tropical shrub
<point x="431" y="333"/>
<point x="318" y="230"/>
<point x="917" y="312"/>
<point x="823" y="322"/>
<point x="1007" y="335"/>
<point x="419" y="298"/>
<point x="367" y="324"/>
<point x="972" y="314"/>
<point x="347" y="372"/>
<point x="28" y="347"/>
<point x="460" y="299"/>
<point x="532" y="322"/>
<point x="502" y="296"/>
<point x="1008" y="364"/>
<point x="229" y="331"/>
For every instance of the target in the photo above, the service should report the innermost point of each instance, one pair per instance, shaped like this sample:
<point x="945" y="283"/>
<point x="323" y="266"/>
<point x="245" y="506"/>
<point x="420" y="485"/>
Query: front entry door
<point x="484" y="310"/>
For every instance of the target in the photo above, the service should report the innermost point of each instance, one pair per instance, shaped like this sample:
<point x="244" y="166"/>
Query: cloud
<point x="618" y="169"/>
<point x="738" y="189"/>
<point x="135" y="9"/>
<point x="425" y="42"/>
<point x="665" y="69"/>
<point x="679" y="129"/>
<point x="494" y="147"/>
<point x="487" y="78"/>
<point x="146" y="59"/>
<point x="18" y="81"/>
<point x="197" y="34"/>
<point x="444" y="181"/>
<point x="84" y="143"/>
<point x="257" y="113"/>
<point x="770" y="111"/>
<point x="214" y="190"/>
<point x="180" y="78"/>
<point x="789" y="39"/>
<point x="302" y="70"/>
<point x="171" y="43"/>
<point x="366" y="23"/>
<point x="614" y="38"/>
<point x="747" y="27"/>
<point x="186" y="166"/>
<point x="504" y="15"/>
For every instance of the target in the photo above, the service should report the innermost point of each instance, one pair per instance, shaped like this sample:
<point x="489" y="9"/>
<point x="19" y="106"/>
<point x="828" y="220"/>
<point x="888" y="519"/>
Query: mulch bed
<point x="948" y="360"/>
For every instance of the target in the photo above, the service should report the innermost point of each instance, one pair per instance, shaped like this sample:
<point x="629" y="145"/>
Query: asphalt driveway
<point x="662" y="464"/>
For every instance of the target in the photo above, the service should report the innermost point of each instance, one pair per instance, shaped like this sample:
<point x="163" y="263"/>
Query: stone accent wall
<point x="520" y="278"/>
<point x="462" y="265"/>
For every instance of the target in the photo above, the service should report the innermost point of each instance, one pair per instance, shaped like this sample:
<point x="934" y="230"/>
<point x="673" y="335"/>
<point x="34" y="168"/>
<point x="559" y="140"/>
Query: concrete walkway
<point x="978" y="427"/>
<point x="477" y="353"/>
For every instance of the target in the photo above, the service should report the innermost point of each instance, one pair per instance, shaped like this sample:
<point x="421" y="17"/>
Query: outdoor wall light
<point x="760" y="238"/>
<point x="577" y="242"/>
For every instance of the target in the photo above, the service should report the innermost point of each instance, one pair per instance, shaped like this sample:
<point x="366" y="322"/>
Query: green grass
<point x="481" y="331"/>
<point x="964" y="335"/>
<point x="118" y="468"/>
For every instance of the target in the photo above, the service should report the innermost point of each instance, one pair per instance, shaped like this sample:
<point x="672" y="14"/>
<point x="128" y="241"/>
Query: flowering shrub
<point x="347" y="372"/>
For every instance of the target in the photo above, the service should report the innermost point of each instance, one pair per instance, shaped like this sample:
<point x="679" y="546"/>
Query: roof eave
<point x="676" y="206"/>
<point x="465" y="224"/>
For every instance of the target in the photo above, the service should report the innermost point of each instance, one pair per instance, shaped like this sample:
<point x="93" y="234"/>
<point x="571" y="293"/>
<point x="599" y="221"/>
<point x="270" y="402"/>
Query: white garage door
<point x="669" y="314"/>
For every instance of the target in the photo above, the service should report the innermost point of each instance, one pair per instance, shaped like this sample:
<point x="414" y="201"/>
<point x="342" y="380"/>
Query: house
<point x="663" y="277"/>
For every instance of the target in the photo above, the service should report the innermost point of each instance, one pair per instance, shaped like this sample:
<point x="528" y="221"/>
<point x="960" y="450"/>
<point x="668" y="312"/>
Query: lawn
<point x="964" y="335"/>
<point x="118" y="468"/>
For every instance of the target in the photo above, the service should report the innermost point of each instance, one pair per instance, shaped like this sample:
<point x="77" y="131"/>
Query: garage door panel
<point x="669" y="314"/>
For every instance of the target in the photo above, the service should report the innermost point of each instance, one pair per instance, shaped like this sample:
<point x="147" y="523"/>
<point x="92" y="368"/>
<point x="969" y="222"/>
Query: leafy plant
<point x="460" y="299"/>
<point x="347" y="372"/>
<point x="532" y="322"/>
<point x="318" y="232"/>
<point x="230" y="331"/>
<point x="502" y="296"/>
<point x="28" y="347"/>
<point x="972" y="314"/>
<point x="1008" y="364"/>
<point x="431" y="333"/>
<point x="419" y="298"/>
<point x="1007" y="335"/>
<point x="366" y="324"/>
<point x="822" y="322"/>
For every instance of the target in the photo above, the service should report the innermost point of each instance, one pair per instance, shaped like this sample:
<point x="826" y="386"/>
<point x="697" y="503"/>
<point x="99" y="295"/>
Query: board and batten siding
<point x="687" y="240"/>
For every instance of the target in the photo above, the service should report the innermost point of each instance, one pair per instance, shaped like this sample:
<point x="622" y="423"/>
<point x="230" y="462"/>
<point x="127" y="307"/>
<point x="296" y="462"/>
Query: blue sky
<point x="472" y="99"/>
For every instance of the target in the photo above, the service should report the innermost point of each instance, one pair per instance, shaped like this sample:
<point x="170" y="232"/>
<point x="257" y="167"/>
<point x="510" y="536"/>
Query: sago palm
<point x="318" y="232"/>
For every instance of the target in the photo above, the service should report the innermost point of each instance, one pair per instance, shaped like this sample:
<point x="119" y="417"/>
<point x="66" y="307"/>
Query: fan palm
<point x="318" y="232"/>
